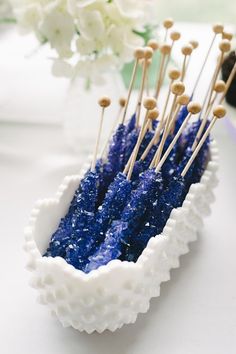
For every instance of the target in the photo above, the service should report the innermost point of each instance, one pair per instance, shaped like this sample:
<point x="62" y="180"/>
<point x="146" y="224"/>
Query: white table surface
<point x="196" y="312"/>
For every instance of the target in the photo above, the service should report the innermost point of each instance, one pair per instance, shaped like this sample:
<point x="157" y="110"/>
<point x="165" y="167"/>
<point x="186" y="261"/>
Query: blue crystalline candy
<point x="111" y="209"/>
<point x="180" y="118"/>
<point x="130" y="125"/>
<point x="115" y="152"/>
<point x="129" y="144"/>
<point x="110" y="248"/>
<point x="148" y="136"/>
<point x="200" y="162"/>
<point x="114" y="202"/>
<point x="116" y="237"/>
<point x="142" y="198"/>
<point x="156" y="218"/>
<point x="74" y="227"/>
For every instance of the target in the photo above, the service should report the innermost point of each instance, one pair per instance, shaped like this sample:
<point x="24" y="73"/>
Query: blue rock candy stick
<point x="115" y="200"/>
<point x="130" y="126"/>
<point x="74" y="227"/>
<point x="115" y="152"/>
<point x="132" y="216"/>
<point x="180" y="118"/>
<point x="156" y="218"/>
<point x="129" y="144"/>
<point x="147" y="138"/>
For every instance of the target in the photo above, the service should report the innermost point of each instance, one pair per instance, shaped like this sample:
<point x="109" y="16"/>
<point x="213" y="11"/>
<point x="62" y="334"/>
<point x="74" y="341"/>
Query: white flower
<point x="91" y="24"/>
<point x="58" y="28"/>
<point x="89" y="36"/>
<point x="85" y="46"/>
<point x="29" y="16"/>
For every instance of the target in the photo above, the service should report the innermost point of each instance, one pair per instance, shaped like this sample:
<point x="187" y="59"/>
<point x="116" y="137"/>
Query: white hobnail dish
<point x="94" y="301"/>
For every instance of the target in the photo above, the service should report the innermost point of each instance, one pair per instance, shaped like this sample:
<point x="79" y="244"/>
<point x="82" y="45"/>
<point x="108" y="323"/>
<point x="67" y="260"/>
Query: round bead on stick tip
<point x="227" y="35"/>
<point x="194" y="107"/>
<point x="168" y="23"/>
<point x="175" y="36"/>
<point x="153" y="114"/>
<point x="174" y="74"/>
<point x="218" y="28"/>
<point x="165" y="49"/>
<point x="225" y="46"/>
<point x="194" y="44"/>
<point x="152" y="43"/>
<point x="104" y="101"/>
<point x="220" y="86"/>
<point x="187" y="49"/>
<point x="148" y="53"/>
<point x="150" y="103"/>
<point x="219" y="111"/>
<point x="139" y="53"/>
<point x="122" y="101"/>
<point x="178" y="88"/>
<point x="183" y="100"/>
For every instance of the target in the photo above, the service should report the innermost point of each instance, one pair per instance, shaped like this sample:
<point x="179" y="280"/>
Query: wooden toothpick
<point x="224" y="47"/>
<point x="122" y="103"/>
<point x="153" y="44"/>
<point x="165" y="51"/>
<point x="148" y="53"/>
<point x="219" y="88"/>
<point x="167" y="23"/>
<point x="138" y="54"/>
<point x="149" y="104"/>
<point x="103" y="102"/>
<point x="186" y="51"/>
<point x="217" y="29"/>
<point x="219" y="112"/>
<point x="228" y="82"/>
<point x="182" y="100"/>
<point x="177" y="89"/>
<point x="193" y="108"/>
<point x="175" y="36"/>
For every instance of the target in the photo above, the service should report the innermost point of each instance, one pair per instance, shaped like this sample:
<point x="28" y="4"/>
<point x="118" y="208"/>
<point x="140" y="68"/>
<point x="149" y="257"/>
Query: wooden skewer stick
<point x="149" y="104"/>
<point x="194" y="45"/>
<point x="217" y="29"/>
<point x="167" y="23"/>
<point x="193" y="108"/>
<point x="186" y="51"/>
<point x="177" y="89"/>
<point x="224" y="47"/>
<point x="165" y="50"/>
<point x="208" y="95"/>
<point x="152" y="43"/>
<point x="148" y="53"/>
<point x="220" y="87"/>
<point x="122" y="103"/>
<point x="151" y="115"/>
<point x="175" y="36"/>
<point x="103" y="102"/>
<point x="138" y="54"/>
<point x="149" y="62"/>
<point x="228" y="83"/>
<point x="219" y="112"/>
<point x="182" y="100"/>
<point x="174" y="74"/>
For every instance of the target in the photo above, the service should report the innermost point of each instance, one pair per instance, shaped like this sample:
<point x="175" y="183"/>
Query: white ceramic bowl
<point x="94" y="301"/>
